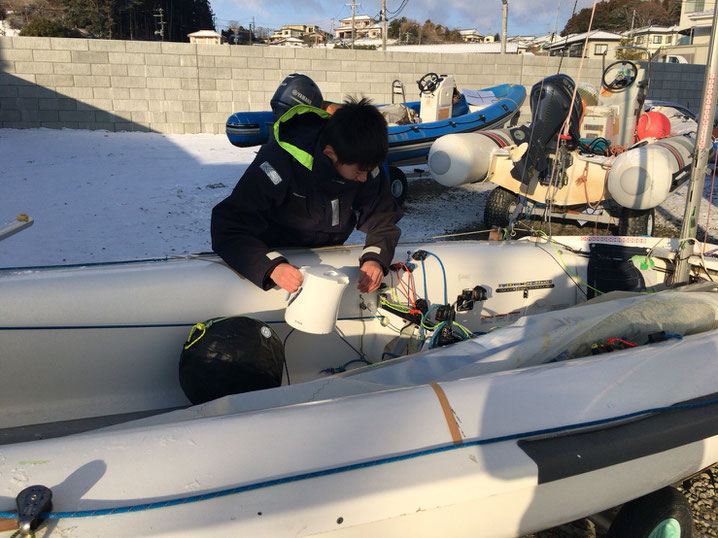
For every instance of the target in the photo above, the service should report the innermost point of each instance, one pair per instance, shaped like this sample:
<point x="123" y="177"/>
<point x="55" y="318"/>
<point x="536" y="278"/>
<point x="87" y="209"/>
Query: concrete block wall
<point x="193" y="88"/>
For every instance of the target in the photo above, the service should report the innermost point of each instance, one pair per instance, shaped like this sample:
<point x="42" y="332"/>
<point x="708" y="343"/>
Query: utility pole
<point x="504" y="24"/>
<point x="383" y="25"/>
<point x="251" y="31"/>
<point x="353" y="5"/>
<point x="159" y="14"/>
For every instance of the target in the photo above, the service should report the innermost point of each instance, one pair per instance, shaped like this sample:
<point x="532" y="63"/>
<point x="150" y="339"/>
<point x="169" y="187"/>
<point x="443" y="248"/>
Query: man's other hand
<point x="287" y="277"/>
<point x="370" y="276"/>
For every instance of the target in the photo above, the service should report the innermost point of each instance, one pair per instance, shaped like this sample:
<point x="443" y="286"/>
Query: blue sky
<point x="526" y="17"/>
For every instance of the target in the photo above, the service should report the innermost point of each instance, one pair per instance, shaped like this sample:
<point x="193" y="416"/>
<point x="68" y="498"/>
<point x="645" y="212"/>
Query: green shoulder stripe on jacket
<point x="302" y="156"/>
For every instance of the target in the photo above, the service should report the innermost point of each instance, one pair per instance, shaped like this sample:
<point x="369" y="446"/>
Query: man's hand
<point x="370" y="276"/>
<point x="287" y="277"/>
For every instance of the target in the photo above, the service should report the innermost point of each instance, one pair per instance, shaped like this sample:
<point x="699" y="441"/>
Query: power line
<point x="399" y="9"/>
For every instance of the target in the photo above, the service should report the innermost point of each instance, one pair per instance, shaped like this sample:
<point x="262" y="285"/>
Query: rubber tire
<point x="499" y="206"/>
<point x="637" y="222"/>
<point x="398" y="184"/>
<point x="645" y="515"/>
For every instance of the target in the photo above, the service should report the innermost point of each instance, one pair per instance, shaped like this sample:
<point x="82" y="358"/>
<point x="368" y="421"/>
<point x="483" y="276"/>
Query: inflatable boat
<point x="476" y="393"/>
<point x="612" y="165"/>
<point x="415" y="125"/>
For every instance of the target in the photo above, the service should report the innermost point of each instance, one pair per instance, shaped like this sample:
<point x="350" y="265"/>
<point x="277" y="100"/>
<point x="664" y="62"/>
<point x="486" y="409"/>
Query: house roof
<point x="204" y="33"/>
<point x="652" y="30"/>
<point x="356" y="18"/>
<point x="595" y="35"/>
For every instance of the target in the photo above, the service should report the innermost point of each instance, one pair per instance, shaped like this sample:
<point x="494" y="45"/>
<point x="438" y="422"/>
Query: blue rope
<point x="423" y="272"/>
<point x="356" y="466"/>
<point x="446" y="300"/>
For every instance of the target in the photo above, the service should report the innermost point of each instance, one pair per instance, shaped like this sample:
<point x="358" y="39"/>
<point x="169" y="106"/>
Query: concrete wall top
<point x="186" y="87"/>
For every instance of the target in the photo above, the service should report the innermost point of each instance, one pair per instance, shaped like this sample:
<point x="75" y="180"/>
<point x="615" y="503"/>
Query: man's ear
<point x="329" y="152"/>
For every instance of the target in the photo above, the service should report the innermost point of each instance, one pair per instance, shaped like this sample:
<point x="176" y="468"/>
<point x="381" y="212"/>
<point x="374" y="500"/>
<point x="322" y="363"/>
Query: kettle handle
<point x="290" y="297"/>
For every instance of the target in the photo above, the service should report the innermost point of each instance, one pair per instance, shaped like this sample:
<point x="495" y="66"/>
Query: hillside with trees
<point x="170" y="20"/>
<point x="411" y="32"/>
<point x="620" y="15"/>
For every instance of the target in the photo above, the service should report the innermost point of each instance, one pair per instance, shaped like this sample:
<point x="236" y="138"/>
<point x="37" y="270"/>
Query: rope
<point x="443" y="271"/>
<point x="708" y="215"/>
<point x="565" y="266"/>
<point x="364" y="465"/>
<point x="567" y="122"/>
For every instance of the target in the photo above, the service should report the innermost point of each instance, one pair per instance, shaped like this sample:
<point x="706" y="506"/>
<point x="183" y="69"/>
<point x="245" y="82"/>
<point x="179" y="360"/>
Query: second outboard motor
<point x="295" y="89"/>
<point x="550" y="103"/>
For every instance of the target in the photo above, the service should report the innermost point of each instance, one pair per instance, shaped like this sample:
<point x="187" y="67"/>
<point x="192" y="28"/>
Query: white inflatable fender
<point x="461" y="158"/>
<point x="641" y="178"/>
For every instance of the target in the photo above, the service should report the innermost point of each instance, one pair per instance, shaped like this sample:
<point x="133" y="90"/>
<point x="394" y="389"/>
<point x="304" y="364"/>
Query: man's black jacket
<point x="292" y="196"/>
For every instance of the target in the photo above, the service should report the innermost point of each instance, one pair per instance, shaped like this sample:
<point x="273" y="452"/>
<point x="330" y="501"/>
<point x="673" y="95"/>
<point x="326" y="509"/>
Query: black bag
<point x="229" y="356"/>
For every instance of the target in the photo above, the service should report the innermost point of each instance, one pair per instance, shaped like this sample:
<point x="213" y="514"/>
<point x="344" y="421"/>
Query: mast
<point x="700" y="159"/>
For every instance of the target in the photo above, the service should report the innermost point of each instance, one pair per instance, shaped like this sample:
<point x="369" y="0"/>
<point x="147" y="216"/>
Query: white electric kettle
<point x="313" y="308"/>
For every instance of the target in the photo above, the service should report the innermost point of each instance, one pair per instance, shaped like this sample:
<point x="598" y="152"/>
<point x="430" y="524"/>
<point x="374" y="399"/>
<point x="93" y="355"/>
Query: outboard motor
<point x="295" y="89"/>
<point x="550" y="102"/>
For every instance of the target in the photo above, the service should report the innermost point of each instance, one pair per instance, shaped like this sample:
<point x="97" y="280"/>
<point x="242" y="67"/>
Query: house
<point x="471" y="36"/>
<point x="289" y="42"/>
<point x="309" y="33"/>
<point x="599" y="44"/>
<point x="205" y="36"/>
<point x="364" y="26"/>
<point x="653" y="37"/>
<point x="695" y="28"/>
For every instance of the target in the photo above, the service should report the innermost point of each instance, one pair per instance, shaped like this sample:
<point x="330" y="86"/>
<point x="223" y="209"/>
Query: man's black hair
<point x="357" y="132"/>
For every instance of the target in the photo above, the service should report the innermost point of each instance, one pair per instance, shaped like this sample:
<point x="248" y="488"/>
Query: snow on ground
<point x="99" y="196"/>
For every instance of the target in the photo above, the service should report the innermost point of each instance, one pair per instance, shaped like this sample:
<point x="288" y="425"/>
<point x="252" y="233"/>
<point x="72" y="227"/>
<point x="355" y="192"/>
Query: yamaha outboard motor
<point x="550" y="102"/>
<point x="295" y="89"/>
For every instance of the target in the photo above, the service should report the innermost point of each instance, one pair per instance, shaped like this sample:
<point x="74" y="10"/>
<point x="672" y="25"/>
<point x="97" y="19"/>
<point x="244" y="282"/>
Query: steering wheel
<point x="624" y="78"/>
<point x="428" y="83"/>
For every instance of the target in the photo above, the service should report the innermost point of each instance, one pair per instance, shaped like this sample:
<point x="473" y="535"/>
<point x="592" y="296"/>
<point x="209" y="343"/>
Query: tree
<point x="42" y="27"/>
<point x="394" y="28"/>
<point x="618" y="15"/>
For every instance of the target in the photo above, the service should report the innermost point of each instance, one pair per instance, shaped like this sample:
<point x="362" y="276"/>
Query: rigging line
<point x="548" y="57"/>
<point x="560" y="61"/>
<point x="567" y="122"/>
<point x="710" y="203"/>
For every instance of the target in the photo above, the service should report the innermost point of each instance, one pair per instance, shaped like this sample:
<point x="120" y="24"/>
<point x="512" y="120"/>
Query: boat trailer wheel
<point x="428" y="83"/>
<point x="636" y="222"/>
<point x="398" y="184"/>
<point x="665" y="512"/>
<point x="624" y="78"/>
<point x="499" y="207"/>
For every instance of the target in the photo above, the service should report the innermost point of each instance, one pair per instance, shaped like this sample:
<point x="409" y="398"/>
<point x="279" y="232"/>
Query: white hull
<point x="375" y="452"/>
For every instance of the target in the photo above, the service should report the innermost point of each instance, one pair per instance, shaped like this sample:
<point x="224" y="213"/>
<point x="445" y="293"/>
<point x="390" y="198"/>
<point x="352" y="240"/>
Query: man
<point x="321" y="176"/>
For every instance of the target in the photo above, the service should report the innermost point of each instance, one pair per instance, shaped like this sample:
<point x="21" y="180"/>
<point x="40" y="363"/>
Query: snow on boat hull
<point x="408" y="144"/>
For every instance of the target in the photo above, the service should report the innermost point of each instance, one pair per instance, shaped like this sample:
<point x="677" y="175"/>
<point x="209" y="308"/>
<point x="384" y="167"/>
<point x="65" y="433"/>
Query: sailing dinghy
<point x="489" y="409"/>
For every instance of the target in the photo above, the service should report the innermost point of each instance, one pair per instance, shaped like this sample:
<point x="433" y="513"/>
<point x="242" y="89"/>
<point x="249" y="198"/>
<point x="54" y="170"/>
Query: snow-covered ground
<point x="99" y="196"/>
